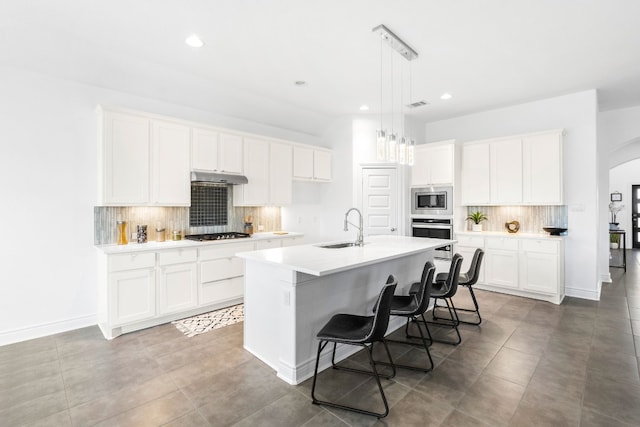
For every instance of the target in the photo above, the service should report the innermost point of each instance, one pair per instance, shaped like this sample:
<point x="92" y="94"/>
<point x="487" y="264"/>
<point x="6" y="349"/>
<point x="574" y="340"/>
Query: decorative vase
<point x="476" y="227"/>
<point x="613" y="225"/>
<point x="613" y="245"/>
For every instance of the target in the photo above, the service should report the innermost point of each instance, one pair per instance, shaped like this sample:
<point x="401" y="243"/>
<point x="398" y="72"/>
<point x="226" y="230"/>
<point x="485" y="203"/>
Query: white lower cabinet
<point x="131" y="288"/>
<point x="221" y="273"/>
<point x="518" y="265"/>
<point x="540" y="269"/>
<point x="501" y="259"/>
<point x="177" y="280"/>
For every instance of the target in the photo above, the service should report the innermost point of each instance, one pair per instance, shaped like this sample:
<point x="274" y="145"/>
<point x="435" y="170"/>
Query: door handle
<point x="393" y="229"/>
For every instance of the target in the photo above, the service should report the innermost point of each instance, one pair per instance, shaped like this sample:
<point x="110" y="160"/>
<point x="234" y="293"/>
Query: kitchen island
<point x="291" y="292"/>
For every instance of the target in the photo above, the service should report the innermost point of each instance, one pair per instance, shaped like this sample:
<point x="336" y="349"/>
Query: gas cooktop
<point x="217" y="236"/>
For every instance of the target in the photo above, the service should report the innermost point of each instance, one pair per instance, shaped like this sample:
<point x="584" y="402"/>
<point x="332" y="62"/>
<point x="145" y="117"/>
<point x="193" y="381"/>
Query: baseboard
<point x="606" y="278"/>
<point x="583" y="293"/>
<point x="43" y="330"/>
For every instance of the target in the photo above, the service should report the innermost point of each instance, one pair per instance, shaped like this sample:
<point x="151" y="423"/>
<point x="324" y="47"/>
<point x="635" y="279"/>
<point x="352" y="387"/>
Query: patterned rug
<point x="202" y="323"/>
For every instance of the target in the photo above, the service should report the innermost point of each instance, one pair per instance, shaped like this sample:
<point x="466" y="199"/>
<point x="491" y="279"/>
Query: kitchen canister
<point x="122" y="233"/>
<point x="142" y="234"/>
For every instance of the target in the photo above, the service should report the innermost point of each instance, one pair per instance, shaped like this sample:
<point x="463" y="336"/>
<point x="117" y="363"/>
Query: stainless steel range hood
<point x="220" y="178"/>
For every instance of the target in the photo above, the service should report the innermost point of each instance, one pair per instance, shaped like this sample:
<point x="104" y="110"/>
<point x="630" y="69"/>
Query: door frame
<point x="403" y="173"/>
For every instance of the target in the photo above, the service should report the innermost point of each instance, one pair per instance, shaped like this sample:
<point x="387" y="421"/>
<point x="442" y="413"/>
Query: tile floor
<point x="530" y="364"/>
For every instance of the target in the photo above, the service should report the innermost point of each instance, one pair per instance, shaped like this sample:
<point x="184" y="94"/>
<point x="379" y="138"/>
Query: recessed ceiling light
<point x="194" y="41"/>
<point x="300" y="83"/>
<point x="446" y="96"/>
<point x="364" y="108"/>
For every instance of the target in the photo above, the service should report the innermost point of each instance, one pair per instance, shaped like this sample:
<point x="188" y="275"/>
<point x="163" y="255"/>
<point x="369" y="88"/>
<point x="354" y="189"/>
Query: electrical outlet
<point x="260" y="227"/>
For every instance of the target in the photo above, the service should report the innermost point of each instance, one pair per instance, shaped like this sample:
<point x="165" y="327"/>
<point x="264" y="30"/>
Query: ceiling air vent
<point x="417" y="104"/>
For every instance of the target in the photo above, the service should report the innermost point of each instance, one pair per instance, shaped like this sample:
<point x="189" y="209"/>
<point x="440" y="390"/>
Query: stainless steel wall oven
<point x="435" y="228"/>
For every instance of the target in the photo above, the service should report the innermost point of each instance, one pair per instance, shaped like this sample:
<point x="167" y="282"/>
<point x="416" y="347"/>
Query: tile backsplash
<point x="531" y="218"/>
<point x="176" y="218"/>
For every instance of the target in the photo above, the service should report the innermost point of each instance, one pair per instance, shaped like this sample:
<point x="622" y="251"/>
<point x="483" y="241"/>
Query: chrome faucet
<point x="359" y="240"/>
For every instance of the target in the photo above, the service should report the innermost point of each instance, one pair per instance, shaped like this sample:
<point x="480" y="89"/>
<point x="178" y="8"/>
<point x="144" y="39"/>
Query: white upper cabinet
<point x="170" y="164"/>
<point x="256" y="169"/>
<point x="506" y="172"/>
<point x="230" y="153"/>
<point x="212" y="151"/>
<point x="125" y="147"/>
<point x="433" y="164"/>
<point x="542" y="169"/>
<point x="523" y="170"/>
<point x="311" y="164"/>
<point x="280" y="168"/>
<point x="268" y="168"/>
<point x="476" y="173"/>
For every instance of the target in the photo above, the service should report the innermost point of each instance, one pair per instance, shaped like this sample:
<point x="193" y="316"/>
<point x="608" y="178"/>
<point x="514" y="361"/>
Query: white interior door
<point x="380" y="201"/>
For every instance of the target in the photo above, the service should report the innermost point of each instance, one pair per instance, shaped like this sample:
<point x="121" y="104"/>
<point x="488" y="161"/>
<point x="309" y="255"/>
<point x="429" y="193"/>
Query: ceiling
<point x="487" y="54"/>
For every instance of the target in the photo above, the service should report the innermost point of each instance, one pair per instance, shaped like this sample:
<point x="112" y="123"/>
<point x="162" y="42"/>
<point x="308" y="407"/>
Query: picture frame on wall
<point x="616" y="196"/>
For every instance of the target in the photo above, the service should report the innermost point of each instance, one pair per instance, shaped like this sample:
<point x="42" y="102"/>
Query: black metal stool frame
<point x="379" y="323"/>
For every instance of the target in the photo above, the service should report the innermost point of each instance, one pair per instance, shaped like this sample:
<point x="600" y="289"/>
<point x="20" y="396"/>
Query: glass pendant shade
<point x="393" y="148"/>
<point x="411" y="146"/>
<point x="402" y="151"/>
<point x="381" y="145"/>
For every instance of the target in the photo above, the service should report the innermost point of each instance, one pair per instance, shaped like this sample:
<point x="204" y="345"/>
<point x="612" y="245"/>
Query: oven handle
<point x="438" y="227"/>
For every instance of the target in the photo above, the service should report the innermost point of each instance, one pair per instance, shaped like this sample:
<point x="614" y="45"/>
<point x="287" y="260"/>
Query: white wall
<point x="48" y="158"/>
<point x="619" y="131"/>
<point x="621" y="178"/>
<point x="586" y="251"/>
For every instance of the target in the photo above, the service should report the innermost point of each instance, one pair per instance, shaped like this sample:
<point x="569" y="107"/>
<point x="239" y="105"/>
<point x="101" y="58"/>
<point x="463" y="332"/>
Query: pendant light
<point x="390" y="146"/>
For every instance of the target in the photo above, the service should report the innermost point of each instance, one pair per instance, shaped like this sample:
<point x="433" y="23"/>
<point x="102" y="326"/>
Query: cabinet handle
<point x="393" y="229"/>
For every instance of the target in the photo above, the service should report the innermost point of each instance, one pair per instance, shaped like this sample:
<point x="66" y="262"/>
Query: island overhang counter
<point x="291" y="292"/>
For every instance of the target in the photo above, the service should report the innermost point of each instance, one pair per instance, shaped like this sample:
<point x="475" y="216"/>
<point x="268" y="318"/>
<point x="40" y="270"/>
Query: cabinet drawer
<point x="471" y="241"/>
<point x="502" y="243"/>
<point x="541" y="246"/>
<point x="177" y="256"/>
<point x="133" y="261"/>
<point x="268" y="244"/>
<point x="222" y="290"/>
<point x="219" y="269"/>
<point x="224" y="251"/>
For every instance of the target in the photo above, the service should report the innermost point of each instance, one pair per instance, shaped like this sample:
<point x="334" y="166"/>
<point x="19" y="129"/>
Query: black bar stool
<point x="361" y="331"/>
<point x="467" y="280"/>
<point x="413" y="306"/>
<point x="445" y="290"/>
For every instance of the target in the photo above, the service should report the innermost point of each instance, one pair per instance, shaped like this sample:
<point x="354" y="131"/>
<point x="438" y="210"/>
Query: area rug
<point x="202" y="323"/>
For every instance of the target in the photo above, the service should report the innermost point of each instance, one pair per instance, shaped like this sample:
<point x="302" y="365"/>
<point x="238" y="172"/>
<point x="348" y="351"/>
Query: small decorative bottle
<point x="122" y="233"/>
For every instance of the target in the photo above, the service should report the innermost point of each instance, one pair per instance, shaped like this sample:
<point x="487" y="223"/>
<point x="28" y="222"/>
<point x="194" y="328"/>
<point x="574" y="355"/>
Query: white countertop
<point x="317" y="261"/>
<point x="506" y="234"/>
<point x="171" y="244"/>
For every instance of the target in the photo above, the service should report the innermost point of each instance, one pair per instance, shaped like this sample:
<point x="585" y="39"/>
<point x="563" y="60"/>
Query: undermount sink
<point x="337" y="245"/>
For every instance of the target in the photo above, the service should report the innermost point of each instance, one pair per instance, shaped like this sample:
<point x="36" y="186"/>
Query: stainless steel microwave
<point x="432" y="201"/>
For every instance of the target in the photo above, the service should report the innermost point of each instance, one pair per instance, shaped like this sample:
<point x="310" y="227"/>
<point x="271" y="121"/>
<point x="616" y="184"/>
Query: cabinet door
<point x="501" y="268"/>
<point x="177" y="288"/>
<point x="420" y="171"/>
<point x="292" y="241"/>
<point x="204" y="150"/>
<point x="539" y="272"/>
<point x="542" y="169"/>
<point x="170" y="164"/>
<point x="302" y="162"/>
<point x="256" y="168"/>
<point x="280" y="174"/>
<point x="125" y="162"/>
<point x="476" y="174"/>
<point x="230" y="153"/>
<point x="322" y="165"/>
<point x="441" y="164"/>
<point x="132" y="295"/>
<point x="506" y="171"/>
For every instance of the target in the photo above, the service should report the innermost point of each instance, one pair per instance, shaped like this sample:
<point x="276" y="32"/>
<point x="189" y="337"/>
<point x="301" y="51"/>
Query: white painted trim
<point x="606" y="278"/>
<point x="45" y="329"/>
<point x="583" y="293"/>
